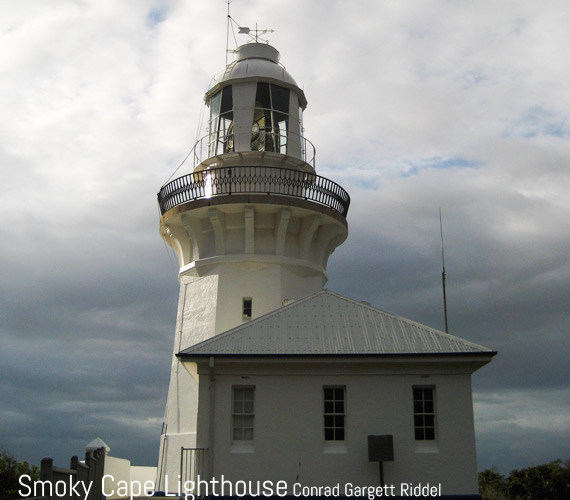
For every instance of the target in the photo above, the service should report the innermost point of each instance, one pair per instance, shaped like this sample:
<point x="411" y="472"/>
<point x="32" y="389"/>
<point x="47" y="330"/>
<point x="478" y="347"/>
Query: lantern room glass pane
<point x="221" y="137"/>
<point x="227" y="100"/>
<point x="215" y="102"/>
<point x="270" y="118"/>
<point x="262" y="96"/>
<point x="280" y="98"/>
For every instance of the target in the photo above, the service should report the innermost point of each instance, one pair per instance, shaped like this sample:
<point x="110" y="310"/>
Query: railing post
<point x="191" y="463"/>
<point x="46" y="469"/>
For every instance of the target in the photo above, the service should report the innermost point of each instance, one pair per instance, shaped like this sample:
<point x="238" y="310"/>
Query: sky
<point x="413" y="106"/>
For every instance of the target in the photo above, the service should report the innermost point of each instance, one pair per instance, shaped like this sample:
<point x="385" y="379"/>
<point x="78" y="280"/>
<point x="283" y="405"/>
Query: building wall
<point x="268" y="285"/>
<point x="119" y="473"/>
<point x="195" y="322"/>
<point x="209" y="305"/>
<point x="289" y="437"/>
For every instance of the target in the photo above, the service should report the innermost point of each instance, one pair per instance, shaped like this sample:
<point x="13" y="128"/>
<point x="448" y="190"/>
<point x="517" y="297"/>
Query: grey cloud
<point x="100" y="109"/>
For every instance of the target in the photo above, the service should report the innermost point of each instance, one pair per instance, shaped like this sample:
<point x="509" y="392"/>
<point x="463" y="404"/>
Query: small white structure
<point x="296" y="394"/>
<point x="121" y="479"/>
<point x="285" y="381"/>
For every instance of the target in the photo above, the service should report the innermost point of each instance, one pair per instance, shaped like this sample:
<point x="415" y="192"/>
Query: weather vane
<point x="244" y="30"/>
<point x="254" y="34"/>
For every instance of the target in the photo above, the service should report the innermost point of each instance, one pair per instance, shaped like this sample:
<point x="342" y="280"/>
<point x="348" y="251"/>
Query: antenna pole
<point x="443" y="273"/>
<point x="228" y="31"/>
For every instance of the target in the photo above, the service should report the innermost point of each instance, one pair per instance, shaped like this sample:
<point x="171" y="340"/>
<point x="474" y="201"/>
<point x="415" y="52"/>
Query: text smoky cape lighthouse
<point x="273" y="377"/>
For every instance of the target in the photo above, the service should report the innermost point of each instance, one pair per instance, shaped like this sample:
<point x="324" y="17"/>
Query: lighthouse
<point x="275" y="380"/>
<point x="253" y="225"/>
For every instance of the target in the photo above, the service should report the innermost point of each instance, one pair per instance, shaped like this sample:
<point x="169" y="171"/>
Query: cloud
<point x="516" y="419"/>
<point x="412" y="106"/>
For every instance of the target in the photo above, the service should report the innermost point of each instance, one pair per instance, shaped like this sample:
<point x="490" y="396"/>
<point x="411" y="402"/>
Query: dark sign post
<point x="381" y="449"/>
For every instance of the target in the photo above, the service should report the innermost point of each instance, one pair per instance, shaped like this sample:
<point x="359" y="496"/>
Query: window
<point x="243" y="413"/>
<point x="424" y="413"/>
<point x="246" y="308"/>
<point x="221" y="122"/>
<point x="270" y="118"/>
<point x="334" y="413"/>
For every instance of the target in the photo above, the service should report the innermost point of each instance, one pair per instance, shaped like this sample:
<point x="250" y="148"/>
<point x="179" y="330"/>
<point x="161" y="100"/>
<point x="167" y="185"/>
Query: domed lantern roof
<point x="256" y="61"/>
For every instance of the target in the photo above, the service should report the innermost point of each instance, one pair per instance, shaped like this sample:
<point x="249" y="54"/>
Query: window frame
<point x="338" y="431"/>
<point x="271" y="112"/>
<point x="424" y="414"/>
<point x="221" y="122"/>
<point x="246" y="305"/>
<point x="239" y="415"/>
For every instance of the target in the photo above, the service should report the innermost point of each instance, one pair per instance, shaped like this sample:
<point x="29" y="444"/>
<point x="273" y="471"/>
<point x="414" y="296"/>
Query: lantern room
<point x="255" y="106"/>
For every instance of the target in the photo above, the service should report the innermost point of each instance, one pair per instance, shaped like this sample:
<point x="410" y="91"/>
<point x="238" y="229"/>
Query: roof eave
<point x="455" y="362"/>
<point x="189" y="356"/>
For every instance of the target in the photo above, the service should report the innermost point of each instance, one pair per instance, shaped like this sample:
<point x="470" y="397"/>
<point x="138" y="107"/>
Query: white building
<point x="294" y="394"/>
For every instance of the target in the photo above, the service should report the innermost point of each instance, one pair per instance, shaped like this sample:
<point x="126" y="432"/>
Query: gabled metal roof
<point x="327" y="323"/>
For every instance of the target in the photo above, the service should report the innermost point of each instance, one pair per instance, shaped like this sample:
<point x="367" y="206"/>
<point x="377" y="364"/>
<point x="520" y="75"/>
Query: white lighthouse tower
<point x="253" y="225"/>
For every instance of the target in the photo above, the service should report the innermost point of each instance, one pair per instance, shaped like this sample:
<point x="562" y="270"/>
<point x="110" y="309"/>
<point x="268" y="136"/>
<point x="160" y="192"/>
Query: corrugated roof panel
<point x="328" y="323"/>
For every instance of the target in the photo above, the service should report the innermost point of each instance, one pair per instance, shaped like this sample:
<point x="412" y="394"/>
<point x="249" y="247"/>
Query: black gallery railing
<point x="248" y="180"/>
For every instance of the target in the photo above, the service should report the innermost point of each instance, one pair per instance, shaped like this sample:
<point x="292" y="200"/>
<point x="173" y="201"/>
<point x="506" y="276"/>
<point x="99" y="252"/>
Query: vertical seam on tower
<point x="178" y="361"/>
<point x="282" y="223"/>
<point x="249" y="229"/>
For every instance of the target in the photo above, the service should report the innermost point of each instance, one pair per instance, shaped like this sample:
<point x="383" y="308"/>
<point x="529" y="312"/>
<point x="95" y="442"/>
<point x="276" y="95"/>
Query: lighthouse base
<point x="171" y="464"/>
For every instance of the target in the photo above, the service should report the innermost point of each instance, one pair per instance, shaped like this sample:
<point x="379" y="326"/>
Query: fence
<point x="80" y="475"/>
<point x="192" y="462"/>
